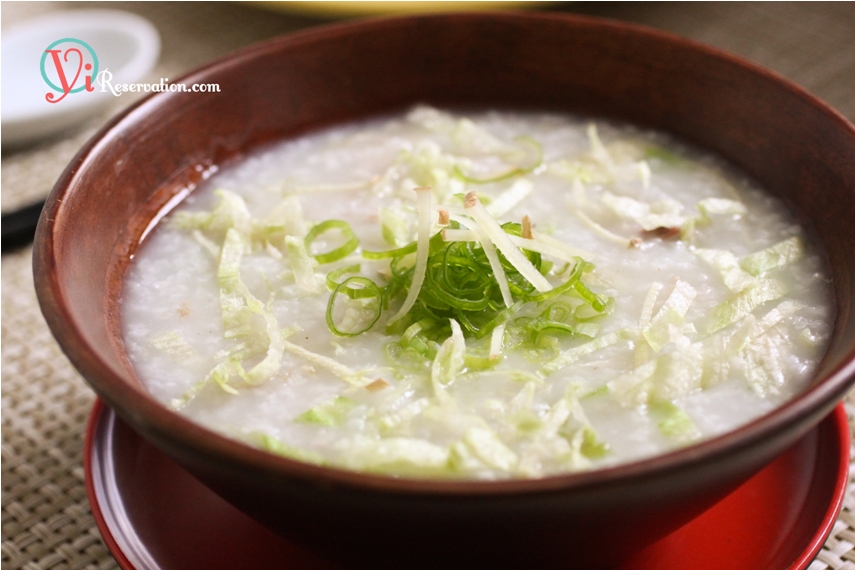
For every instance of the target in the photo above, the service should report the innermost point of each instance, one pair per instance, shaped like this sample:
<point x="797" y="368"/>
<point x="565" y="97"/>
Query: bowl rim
<point x="178" y="434"/>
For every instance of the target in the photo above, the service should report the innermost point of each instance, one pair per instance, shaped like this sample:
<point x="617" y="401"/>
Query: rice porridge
<point x="486" y="296"/>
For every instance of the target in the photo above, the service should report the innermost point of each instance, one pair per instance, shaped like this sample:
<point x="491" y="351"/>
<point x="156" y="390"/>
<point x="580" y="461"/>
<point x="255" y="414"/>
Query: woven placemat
<point x="46" y="521"/>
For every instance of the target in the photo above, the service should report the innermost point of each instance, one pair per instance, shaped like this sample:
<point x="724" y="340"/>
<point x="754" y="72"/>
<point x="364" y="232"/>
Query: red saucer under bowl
<point x="154" y="515"/>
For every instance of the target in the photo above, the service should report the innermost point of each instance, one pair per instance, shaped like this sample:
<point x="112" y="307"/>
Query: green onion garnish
<point x="534" y="148"/>
<point x="349" y="246"/>
<point x="481" y="288"/>
<point x="364" y="306"/>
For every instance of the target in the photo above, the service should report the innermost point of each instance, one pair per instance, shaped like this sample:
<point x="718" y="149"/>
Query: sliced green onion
<point x="349" y="246"/>
<point x="333" y="276"/>
<point x="571" y="283"/>
<point x="409" y="248"/>
<point x="356" y="288"/>
<point x="515" y="171"/>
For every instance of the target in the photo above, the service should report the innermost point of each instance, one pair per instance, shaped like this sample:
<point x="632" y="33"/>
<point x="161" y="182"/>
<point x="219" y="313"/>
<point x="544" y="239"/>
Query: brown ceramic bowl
<point x="795" y="145"/>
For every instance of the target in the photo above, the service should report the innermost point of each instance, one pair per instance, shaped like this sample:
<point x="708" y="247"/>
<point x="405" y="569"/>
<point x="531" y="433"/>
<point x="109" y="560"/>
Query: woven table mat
<point x="46" y="520"/>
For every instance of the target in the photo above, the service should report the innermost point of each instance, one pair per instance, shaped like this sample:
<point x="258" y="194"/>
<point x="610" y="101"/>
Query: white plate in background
<point x="124" y="43"/>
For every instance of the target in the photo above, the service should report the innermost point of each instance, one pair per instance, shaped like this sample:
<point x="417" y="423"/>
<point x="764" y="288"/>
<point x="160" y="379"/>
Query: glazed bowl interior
<point x="109" y="197"/>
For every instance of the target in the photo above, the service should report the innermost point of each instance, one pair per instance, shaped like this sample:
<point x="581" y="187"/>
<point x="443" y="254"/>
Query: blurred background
<point x="46" y="520"/>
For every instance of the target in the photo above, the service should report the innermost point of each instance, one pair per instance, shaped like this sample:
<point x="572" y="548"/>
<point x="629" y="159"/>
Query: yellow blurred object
<point x="373" y="8"/>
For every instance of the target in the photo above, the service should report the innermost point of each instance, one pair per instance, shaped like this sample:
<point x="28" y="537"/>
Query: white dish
<point x="125" y="44"/>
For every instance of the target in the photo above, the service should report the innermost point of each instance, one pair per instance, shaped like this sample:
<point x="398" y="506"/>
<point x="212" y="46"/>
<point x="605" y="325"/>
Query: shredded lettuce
<point x="679" y="372"/>
<point x="576" y="207"/>
<point x="231" y="212"/>
<point x="301" y="265"/>
<point x="565" y="435"/>
<point x="395" y="228"/>
<point x="471" y="138"/>
<point x="773" y="257"/>
<point x="219" y="375"/>
<point x="330" y="413"/>
<point x="727" y="264"/>
<point x="573" y="354"/>
<point x="449" y="362"/>
<point x="754" y="328"/>
<point x="662" y="214"/>
<point x="432" y="119"/>
<point x="633" y="388"/>
<point x="290" y="212"/>
<point x="393" y="419"/>
<point x="272" y="361"/>
<point x="428" y="167"/>
<point x="716" y="367"/>
<point x="760" y="348"/>
<point x="212" y="248"/>
<point x="236" y="315"/>
<point x="273" y="445"/>
<point x="173" y="344"/>
<point x="721" y="206"/>
<point x="394" y="455"/>
<point x="489" y="448"/>
<point x="510" y="198"/>
<point x="642" y="349"/>
<point x="598" y="150"/>
<point x="743" y="303"/>
<point x="675" y="423"/>
<point x="763" y="368"/>
<point x="672" y="312"/>
<point x="346" y="373"/>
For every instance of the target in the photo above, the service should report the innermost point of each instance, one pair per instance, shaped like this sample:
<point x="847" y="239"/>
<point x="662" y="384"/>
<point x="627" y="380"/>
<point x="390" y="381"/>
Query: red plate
<point x="154" y="515"/>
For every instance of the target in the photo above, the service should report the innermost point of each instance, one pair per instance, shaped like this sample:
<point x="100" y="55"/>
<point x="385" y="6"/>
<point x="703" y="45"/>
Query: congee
<point x="485" y="295"/>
